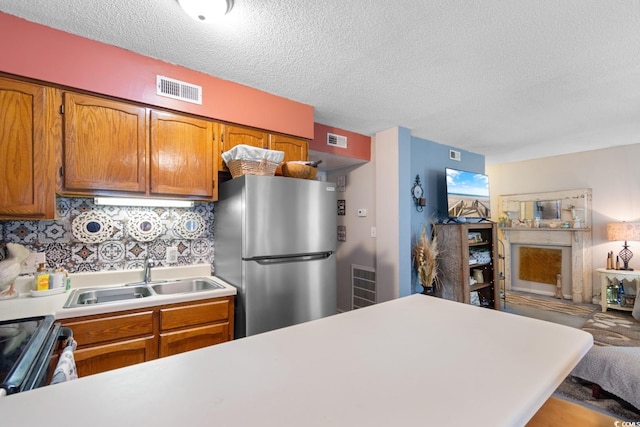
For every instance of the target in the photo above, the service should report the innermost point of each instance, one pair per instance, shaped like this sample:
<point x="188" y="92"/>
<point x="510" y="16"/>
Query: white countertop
<point x="29" y="306"/>
<point x="417" y="360"/>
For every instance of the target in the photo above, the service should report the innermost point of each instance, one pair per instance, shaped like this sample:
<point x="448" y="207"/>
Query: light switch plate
<point x="172" y="255"/>
<point x="30" y="265"/>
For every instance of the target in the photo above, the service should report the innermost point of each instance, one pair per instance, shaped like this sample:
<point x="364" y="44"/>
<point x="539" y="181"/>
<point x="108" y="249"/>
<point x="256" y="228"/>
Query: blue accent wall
<point x="405" y="145"/>
<point x="429" y="159"/>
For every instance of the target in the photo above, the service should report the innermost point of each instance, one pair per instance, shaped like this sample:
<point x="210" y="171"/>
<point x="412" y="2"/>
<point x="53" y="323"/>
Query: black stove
<point x="26" y="348"/>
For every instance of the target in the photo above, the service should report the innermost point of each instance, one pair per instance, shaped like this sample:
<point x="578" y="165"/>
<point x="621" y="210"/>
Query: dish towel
<point x="66" y="367"/>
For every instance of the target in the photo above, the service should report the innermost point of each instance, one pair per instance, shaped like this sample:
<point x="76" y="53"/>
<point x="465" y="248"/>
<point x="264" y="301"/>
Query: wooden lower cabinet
<point x="190" y="326"/>
<point x="99" y="358"/>
<point x="192" y="338"/>
<point x="115" y="340"/>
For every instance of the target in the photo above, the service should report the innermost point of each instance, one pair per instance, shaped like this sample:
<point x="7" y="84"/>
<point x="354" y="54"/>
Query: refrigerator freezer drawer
<point x="284" y="294"/>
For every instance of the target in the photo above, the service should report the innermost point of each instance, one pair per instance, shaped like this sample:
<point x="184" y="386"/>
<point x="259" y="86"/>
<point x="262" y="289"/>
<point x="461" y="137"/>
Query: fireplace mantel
<point x="578" y="239"/>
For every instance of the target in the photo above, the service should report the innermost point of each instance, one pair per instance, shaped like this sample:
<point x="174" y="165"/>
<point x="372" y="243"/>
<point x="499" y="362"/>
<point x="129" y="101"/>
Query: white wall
<point x="385" y="156"/>
<point x="360" y="247"/>
<point x="612" y="174"/>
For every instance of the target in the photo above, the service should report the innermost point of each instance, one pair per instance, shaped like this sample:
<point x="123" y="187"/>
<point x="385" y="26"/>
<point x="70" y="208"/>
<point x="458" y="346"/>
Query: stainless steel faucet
<point x="148" y="263"/>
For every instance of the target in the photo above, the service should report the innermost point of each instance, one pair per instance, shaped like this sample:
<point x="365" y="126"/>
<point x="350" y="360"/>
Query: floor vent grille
<point x="176" y="89"/>
<point x="363" y="281"/>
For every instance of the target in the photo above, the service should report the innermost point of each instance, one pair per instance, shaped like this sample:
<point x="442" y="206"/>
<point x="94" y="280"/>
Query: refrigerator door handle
<point x="296" y="258"/>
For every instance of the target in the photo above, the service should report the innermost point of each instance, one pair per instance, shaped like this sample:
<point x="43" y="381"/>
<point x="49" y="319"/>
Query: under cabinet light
<point x="124" y="201"/>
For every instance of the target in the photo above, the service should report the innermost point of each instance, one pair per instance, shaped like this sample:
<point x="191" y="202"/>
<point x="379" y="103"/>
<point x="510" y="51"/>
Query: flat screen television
<point x="467" y="194"/>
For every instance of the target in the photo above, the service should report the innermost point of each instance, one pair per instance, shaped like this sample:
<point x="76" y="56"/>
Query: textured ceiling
<point x="511" y="80"/>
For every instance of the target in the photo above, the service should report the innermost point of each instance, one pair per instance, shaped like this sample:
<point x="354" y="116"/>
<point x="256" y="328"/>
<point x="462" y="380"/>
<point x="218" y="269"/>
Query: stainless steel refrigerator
<point x="275" y="241"/>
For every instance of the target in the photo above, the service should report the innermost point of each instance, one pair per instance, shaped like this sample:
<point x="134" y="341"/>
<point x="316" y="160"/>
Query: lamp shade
<point x="623" y="231"/>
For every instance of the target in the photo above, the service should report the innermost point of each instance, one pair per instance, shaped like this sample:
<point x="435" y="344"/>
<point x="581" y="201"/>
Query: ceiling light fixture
<point x="206" y="10"/>
<point x="125" y="201"/>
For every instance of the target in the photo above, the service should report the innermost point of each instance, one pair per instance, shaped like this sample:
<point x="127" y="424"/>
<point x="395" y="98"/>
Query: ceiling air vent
<point x="336" y="140"/>
<point x="176" y="89"/>
<point x="455" y="155"/>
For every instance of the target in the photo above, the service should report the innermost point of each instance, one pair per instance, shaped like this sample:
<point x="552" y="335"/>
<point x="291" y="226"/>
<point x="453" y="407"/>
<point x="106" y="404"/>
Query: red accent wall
<point x="50" y="55"/>
<point x="358" y="145"/>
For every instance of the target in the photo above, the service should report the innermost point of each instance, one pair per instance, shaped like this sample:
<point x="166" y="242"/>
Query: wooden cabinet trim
<point x="193" y="314"/>
<point x="179" y="341"/>
<point x="88" y="331"/>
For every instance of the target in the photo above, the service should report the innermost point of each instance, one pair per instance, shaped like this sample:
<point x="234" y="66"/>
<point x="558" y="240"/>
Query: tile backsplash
<point x="123" y="247"/>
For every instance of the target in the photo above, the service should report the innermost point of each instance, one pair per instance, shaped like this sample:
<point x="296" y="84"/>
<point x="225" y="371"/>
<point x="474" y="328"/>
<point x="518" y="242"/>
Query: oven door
<point x="26" y="348"/>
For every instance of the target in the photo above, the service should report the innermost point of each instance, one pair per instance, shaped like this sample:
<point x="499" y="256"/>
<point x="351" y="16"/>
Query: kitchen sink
<point x="82" y="297"/>
<point x="185" y="286"/>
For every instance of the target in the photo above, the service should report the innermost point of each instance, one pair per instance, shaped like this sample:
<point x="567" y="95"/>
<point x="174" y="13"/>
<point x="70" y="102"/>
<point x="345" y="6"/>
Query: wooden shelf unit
<point x="455" y="263"/>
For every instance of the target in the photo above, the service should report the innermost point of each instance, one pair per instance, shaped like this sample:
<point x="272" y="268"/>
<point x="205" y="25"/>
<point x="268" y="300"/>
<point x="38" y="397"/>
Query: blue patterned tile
<point x="53" y="232"/>
<point x="200" y="248"/>
<point x="59" y="254"/>
<point x="22" y="232"/>
<point x="62" y="249"/>
<point x="158" y="249"/>
<point x="111" y="265"/>
<point x="134" y="264"/>
<point x="111" y="251"/>
<point x="84" y="253"/>
<point x="63" y="207"/>
<point x="136" y="251"/>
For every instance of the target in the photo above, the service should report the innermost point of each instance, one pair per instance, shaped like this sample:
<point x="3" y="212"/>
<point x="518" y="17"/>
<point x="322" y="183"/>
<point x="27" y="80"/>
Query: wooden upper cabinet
<point x="182" y="153"/>
<point x="293" y="148"/>
<point x="236" y="135"/>
<point x="105" y="145"/>
<point x="29" y="127"/>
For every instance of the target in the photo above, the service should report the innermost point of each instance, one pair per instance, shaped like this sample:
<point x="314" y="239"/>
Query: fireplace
<point x="537" y="269"/>
<point x="537" y="249"/>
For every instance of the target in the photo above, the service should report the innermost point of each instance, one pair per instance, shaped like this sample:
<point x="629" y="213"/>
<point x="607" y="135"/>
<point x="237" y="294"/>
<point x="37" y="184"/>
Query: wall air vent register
<point x="334" y="140"/>
<point x="176" y="89"/>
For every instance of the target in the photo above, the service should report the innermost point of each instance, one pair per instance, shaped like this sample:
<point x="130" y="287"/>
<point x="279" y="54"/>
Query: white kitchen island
<point x="414" y="361"/>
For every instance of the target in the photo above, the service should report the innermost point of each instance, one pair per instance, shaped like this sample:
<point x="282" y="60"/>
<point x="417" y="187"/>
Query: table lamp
<point x="624" y="231"/>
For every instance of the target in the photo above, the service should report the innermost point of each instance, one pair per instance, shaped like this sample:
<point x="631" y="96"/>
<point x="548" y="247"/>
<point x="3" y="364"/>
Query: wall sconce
<point x="124" y="201"/>
<point x="206" y="10"/>
<point x="624" y="231"/>
<point x="417" y="192"/>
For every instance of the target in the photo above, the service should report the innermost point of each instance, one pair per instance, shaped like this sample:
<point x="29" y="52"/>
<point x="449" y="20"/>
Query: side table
<point x="617" y="275"/>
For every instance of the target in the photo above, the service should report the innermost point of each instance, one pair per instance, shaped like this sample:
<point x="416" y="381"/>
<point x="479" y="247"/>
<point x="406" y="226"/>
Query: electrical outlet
<point x="30" y="265"/>
<point x="374" y="232"/>
<point x="172" y="255"/>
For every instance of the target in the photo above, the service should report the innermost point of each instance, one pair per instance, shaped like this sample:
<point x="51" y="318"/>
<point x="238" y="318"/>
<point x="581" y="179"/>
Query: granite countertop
<point x="29" y="306"/>
<point x="416" y="360"/>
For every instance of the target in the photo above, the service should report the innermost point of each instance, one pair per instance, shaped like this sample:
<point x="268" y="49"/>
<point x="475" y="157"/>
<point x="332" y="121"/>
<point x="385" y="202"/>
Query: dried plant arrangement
<point x="425" y="254"/>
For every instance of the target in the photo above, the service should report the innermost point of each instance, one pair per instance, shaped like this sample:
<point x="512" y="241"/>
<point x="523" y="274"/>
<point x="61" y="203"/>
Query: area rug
<point x="550" y="304"/>
<point x="614" y="328"/>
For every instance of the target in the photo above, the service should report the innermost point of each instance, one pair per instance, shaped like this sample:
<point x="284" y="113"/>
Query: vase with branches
<point x="425" y="259"/>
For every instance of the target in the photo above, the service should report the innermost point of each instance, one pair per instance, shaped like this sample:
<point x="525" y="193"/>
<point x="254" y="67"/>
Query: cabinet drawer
<point x="191" y="339"/>
<point x="87" y="331"/>
<point x="105" y="357"/>
<point x="193" y="314"/>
